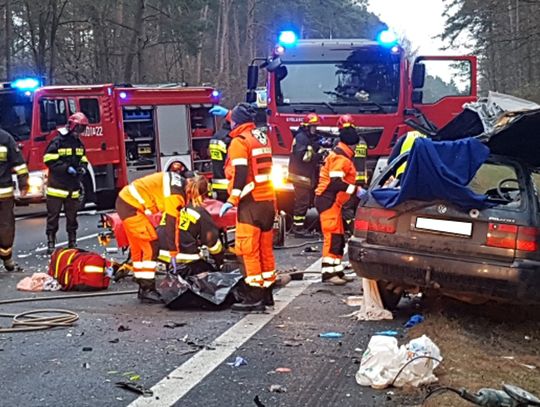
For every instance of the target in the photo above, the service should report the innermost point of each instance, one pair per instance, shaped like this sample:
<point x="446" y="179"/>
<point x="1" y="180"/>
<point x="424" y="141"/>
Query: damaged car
<point x="463" y="219"/>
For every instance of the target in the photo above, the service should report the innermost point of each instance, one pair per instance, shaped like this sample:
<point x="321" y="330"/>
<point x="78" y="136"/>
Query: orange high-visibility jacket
<point x="160" y="192"/>
<point x="338" y="175"/>
<point x="249" y="165"/>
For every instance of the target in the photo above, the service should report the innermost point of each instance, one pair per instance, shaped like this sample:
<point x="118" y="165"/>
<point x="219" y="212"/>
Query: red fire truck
<point x="373" y="80"/>
<point x="133" y="131"/>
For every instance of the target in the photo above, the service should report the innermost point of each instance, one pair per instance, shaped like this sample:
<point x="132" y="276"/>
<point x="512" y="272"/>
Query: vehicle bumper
<point x="519" y="281"/>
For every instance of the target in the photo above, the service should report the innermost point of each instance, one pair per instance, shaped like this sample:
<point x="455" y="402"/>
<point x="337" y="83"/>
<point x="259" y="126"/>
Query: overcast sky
<point x="418" y="20"/>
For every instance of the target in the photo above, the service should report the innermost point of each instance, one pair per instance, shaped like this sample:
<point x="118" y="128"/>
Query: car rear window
<point x="493" y="176"/>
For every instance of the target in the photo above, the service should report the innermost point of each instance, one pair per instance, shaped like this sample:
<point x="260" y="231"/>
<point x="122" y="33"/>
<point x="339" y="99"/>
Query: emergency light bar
<point x="287" y="38"/>
<point x="387" y="38"/>
<point x="27" y="84"/>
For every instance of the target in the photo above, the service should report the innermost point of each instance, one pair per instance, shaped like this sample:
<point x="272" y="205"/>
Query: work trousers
<point x="254" y="242"/>
<point x="349" y="212"/>
<point x="143" y="240"/>
<point x="334" y="238"/>
<point x="54" y="207"/>
<point x="7" y="227"/>
<point x="303" y="197"/>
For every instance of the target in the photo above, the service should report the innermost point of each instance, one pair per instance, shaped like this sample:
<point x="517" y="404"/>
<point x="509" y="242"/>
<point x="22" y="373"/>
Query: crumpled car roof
<point x="508" y="125"/>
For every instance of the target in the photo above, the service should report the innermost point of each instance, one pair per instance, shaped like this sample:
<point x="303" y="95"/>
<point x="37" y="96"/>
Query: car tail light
<point x="512" y="237"/>
<point x="375" y="220"/>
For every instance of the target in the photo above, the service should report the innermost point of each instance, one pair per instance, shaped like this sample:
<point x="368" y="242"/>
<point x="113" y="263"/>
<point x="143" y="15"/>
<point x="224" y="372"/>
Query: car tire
<point x="389" y="297"/>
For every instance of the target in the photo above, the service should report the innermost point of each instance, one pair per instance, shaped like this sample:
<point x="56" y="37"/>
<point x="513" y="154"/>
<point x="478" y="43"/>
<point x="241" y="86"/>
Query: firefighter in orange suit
<point x="159" y="192"/>
<point x="337" y="183"/>
<point x="248" y="168"/>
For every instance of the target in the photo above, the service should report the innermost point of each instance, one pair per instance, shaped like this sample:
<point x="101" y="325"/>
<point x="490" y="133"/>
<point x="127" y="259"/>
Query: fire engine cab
<point x="133" y="130"/>
<point x="372" y="80"/>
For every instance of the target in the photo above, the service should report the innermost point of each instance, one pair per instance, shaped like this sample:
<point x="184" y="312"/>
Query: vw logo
<point x="442" y="209"/>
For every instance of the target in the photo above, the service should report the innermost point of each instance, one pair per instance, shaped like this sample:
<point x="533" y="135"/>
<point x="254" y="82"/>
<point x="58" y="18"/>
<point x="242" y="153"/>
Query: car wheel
<point x="390" y="294"/>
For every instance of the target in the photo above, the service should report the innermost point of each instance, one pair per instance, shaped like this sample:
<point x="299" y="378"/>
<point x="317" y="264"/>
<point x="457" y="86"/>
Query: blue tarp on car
<point x="439" y="171"/>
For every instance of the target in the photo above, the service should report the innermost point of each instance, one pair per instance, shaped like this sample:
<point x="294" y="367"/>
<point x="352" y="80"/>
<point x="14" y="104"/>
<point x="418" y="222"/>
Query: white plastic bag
<point x="382" y="361"/>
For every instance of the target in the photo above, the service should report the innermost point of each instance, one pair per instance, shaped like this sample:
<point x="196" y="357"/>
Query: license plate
<point x="444" y="226"/>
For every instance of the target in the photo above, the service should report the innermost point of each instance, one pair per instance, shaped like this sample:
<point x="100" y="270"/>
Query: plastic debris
<point x="283" y="370"/>
<point x="258" y="402"/>
<point x="87" y="349"/>
<point x="172" y="324"/>
<point x="135" y="388"/>
<point x="331" y="335"/>
<point x="387" y="333"/>
<point x="239" y="361"/>
<point x="414" y="320"/>
<point x="277" y="388"/>
<point x="134" y="378"/>
<point x="372" y="308"/>
<point x="384" y="364"/>
<point x="354" y="301"/>
<point x="123" y="328"/>
<point x="115" y="340"/>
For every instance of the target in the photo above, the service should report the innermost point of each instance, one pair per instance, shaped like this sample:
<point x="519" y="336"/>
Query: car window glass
<point x="535" y="175"/>
<point x="90" y="107"/>
<point x="490" y="175"/>
<point x="52" y="113"/>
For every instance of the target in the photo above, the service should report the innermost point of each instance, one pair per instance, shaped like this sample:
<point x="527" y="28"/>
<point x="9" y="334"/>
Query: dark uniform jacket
<point x="218" y="151"/>
<point x="302" y="172"/>
<point x="11" y="161"/>
<point x="64" y="151"/>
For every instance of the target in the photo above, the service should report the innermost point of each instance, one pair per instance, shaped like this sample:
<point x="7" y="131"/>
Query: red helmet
<point x="77" y="119"/>
<point x="311" y="119"/>
<point x="345" y="121"/>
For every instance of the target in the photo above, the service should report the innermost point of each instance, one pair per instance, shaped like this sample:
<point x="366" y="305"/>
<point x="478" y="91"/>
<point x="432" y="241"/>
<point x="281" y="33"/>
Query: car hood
<point x="509" y="126"/>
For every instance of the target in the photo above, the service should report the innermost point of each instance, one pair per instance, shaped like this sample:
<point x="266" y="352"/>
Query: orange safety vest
<point x="338" y="164"/>
<point x="250" y="147"/>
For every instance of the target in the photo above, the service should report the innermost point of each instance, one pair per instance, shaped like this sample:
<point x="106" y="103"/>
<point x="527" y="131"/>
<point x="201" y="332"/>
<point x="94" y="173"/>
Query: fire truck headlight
<point x="279" y="175"/>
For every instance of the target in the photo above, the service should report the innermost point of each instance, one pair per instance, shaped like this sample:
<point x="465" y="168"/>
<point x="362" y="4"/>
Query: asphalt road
<point x="80" y="365"/>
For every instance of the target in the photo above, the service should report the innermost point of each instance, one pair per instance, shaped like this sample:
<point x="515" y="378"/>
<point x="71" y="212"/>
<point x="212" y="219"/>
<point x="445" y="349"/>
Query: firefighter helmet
<point x="311" y="119"/>
<point x="345" y="121"/>
<point x="77" y="119"/>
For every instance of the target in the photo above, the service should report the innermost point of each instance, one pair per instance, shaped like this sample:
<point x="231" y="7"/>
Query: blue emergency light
<point x="122" y="95"/>
<point x="287" y="38"/>
<point x="215" y="93"/>
<point x="387" y="38"/>
<point x="27" y="84"/>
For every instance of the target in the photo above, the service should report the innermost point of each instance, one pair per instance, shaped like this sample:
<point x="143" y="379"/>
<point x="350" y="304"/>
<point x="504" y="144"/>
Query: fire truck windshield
<point x="16" y="114"/>
<point x="365" y="86"/>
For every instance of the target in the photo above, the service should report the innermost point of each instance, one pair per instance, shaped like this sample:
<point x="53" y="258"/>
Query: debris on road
<point x="387" y="333"/>
<point x="124" y="328"/>
<point x="172" y="324"/>
<point x="38" y="282"/>
<point x="372" y="308"/>
<point x="239" y="361"/>
<point x="414" y="320"/>
<point x="354" y="300"/>
<point x="277" y="388"/>
<point x="384" y="364"/>
<point x="331" y="335"/>
<point x="258" y="402"/>
<point x="135" y="388"/>
<point x="283" y="370"/>
<point x="115" y="340"/>
<point x="87" y="349"/>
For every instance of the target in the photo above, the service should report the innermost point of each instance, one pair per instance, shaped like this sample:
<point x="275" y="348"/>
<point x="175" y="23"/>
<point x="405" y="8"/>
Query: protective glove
<point x="308" y="155"/>
<point x="173" y="263"/>
<point x="71" y="171"/>
<point x="225" y="208"/>
<point x="361" y="193"/>
<point x="219" y="111"/>
<point x="81" y="171"/>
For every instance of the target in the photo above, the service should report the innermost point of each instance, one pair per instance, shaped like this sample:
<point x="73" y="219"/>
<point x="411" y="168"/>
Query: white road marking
<point x="185" y="377"/>
<point x="60" y="244"/>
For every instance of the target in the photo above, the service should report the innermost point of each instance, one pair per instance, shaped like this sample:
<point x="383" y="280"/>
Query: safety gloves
<point x="72" y="171"/>
<point x="361" y="193"/>
<point x="225" y="208"/>
<point x="219" y="111"/>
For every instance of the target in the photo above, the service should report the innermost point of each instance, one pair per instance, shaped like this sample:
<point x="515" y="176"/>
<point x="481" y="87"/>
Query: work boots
<point x="72" y="240"/>
<point x="334" y="280"/>
<point x="51" y="242"/>
<point x="147" y="291"/>
<point x="10" y="265"/>
<point x="251" y="299"/>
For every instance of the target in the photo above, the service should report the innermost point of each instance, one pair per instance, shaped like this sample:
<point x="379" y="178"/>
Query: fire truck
<point x="133" y="130"/>
<point x="372" y="80"/>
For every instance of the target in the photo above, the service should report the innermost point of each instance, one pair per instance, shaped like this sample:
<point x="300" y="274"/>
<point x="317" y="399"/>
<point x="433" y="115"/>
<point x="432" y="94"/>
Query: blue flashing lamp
<point x="215" y="94"/>
<point x="122" y="95"/>
<point x="27" y="84"/>
<point x="387" y="38"/>
<point x="287" y="38"/>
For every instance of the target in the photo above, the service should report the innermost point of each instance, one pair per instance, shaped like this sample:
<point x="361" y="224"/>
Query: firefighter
<point x="336" y="186"/>
<point x="219" y="143"/>
<point x="196" y="231"/>
<point x="159" y="192"/>
<point x="360" y="155"/>
<point x="403" y="145"/>
<point x="66" y="158"/>
<point x="11" y="161"/>
<point x="304" y="170"/>
<point x="248" y="169"/>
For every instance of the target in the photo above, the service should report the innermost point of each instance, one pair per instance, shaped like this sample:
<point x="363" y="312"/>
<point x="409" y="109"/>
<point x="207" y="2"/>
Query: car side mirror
<point x="418" y="76"/>
<point x="252" y="77"/>
<point x="417" y="96"/>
